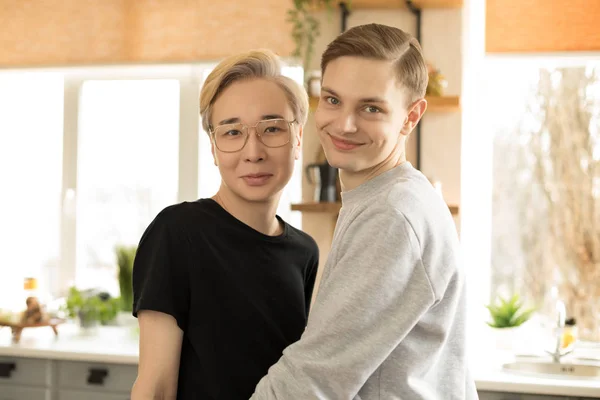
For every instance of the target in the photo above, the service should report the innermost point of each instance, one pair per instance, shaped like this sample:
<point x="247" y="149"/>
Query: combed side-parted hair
<point x="382" y="42"/>
<point x="254" y="64"/>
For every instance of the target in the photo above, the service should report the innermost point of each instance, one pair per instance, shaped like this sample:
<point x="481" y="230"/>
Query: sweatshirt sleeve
<point x="371" y="298"/>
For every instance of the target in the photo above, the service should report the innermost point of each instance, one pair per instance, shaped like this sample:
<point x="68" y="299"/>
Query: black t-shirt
<point x="240" y="297"/>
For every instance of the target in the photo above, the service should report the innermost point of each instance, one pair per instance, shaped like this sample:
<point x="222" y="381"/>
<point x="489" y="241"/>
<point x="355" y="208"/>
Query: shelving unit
<point x="334" y="208"/>
<point x="316" y="207"/>
<point x="394" y="4"/>
<point x="442" y="104"/>
<point x="434" y="103"/>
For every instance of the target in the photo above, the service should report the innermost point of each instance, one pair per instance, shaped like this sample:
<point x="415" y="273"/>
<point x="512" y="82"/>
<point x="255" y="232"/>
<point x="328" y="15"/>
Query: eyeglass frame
<point x="258" y="135"/>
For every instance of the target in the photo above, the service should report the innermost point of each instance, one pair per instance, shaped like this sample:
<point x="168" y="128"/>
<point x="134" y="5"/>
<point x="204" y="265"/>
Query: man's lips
<point x="258" y="175"/>
<point x="257" y="179"/>
<point x="343" y="144"/>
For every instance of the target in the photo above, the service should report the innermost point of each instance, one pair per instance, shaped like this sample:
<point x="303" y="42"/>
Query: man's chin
<point x="340" y="161"/>
<point x="334" y="160"/>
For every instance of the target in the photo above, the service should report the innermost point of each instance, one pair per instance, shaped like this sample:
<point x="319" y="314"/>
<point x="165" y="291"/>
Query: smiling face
<point x="256" y="173"/>
<point x="364" y="115"/>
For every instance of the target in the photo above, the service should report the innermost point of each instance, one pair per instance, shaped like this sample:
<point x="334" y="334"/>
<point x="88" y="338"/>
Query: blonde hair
<point x="382" y="42"/>
<point x="254" y="64"/>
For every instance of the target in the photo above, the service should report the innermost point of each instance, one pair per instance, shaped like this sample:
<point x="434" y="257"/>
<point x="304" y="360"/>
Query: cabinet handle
<point x="96" y="376"/>
<point x="6" y="369"/>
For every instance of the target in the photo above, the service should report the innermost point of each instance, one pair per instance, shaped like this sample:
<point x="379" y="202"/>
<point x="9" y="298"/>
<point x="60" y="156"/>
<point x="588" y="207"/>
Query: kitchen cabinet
<point x="485" y="395"/>
<point x="9" y="392"/>
<point x="42" y="379"/>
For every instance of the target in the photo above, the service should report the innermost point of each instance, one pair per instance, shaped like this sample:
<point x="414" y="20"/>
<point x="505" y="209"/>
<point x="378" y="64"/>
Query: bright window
<point x="116" y="142"/>
<point x="127" y="168"/>
<point x="544" y="115"/>
<point x="31" y="142"/>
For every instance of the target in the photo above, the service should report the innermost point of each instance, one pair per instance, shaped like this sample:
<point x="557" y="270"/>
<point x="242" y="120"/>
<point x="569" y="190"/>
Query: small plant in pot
<point x="125" y="257"/>
<point x="91" y="307"/>
<point x="507" y="315"/>
<point x="306" y="28"/>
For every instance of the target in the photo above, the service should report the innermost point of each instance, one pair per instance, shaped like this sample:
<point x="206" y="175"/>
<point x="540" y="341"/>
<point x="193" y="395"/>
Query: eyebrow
<point x="363" y="100"/>
<point x="235" y="120"/>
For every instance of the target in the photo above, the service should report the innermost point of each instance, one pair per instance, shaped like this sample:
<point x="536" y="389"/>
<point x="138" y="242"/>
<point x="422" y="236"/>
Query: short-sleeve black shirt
<point x="240" y="297"/>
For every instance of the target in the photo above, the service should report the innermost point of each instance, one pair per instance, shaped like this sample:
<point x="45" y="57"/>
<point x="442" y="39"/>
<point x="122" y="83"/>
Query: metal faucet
<point x="561" y="313"/>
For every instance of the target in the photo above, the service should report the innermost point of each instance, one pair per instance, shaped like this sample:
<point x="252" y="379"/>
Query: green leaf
<point x="306" y="28"/>
<point x="508" y="312"/>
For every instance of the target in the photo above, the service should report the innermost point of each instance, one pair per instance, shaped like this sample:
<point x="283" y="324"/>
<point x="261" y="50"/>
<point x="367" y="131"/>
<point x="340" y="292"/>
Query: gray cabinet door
<point x="484" y="395"/>
<point x="25" y="371"/>
<point x="96" y="377"/>
<point x="498" y="396"/>
<point x="89" y="395"/>
<point x="12" y="392"/>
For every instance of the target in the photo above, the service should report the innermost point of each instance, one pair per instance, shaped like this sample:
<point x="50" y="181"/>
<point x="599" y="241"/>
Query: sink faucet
<point x="561" y="313"/>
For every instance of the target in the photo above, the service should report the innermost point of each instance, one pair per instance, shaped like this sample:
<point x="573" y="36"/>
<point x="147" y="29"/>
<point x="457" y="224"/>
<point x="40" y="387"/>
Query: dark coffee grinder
<point x="327" y="176"/>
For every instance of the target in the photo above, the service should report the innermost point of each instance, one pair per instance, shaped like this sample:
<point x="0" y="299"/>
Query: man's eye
<point x="372" y="109"/>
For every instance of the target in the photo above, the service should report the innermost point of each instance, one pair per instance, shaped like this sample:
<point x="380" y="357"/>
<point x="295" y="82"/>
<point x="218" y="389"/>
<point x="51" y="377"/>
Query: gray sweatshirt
<point x="388" y="321"/>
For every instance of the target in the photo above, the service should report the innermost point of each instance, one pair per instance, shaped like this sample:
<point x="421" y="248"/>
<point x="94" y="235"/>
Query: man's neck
<point x="260" y="216"/>
<point x="351" y="180"/>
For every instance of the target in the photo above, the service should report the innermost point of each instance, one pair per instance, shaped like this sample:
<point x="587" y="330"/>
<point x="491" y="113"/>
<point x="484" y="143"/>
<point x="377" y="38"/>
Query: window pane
<point x="209" y="178"/>
<point x="31" y="135"/>
<point x="127" y="169"/>
<point x="293" y="191"/>
<point x="546" y="196"/>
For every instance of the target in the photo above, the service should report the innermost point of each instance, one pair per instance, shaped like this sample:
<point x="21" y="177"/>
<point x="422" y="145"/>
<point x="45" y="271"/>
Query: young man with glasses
<point x="388" y="321"/>
<point x="223" y="285"/>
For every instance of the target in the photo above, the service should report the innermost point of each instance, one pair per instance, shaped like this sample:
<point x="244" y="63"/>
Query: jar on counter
<point x="569" y="334"/>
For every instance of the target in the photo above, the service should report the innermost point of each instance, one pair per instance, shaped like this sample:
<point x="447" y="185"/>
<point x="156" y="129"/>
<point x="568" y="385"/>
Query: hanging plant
<point x="305" y="27"/>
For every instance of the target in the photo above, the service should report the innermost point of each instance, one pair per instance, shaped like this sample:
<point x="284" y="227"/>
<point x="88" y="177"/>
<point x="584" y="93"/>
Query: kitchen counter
<point x="115" y="345"/>
<point x="119" y="345"/>
<point x="489" y="376"/>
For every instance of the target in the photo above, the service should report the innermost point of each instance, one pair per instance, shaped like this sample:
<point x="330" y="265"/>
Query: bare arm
<point x="160" y="351"/>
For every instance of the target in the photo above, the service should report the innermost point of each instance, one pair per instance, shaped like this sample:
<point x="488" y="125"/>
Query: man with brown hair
<point x="389" y="318"/>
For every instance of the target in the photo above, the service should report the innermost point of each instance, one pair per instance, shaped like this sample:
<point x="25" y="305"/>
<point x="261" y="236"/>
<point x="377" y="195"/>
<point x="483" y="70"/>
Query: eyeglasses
<point x="230" y="138"/>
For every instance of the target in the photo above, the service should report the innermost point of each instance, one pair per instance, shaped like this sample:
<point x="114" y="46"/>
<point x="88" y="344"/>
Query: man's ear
<point x="298" y="143"/>
<point x="415" y="113"/>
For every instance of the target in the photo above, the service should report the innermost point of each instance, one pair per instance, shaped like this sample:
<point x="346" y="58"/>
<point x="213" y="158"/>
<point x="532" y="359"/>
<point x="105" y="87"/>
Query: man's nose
<point x="346" y="122"/>
<point x="254" y="150"/>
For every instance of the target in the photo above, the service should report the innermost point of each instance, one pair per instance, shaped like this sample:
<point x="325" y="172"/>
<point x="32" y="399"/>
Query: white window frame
<point x="189" y="77"/>
<point x="476" y="165"/>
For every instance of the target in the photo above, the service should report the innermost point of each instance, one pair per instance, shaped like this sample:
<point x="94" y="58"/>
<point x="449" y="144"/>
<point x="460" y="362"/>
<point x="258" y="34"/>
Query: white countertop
<point x="119" y="345"/>
<point x="489" y="376"/>
<point x="116" y="345"/>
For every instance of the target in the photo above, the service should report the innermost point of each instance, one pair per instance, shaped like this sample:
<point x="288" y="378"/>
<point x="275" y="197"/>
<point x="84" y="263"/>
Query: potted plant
<point x="437" y="82"/>
<point x="507" y="315"/>
<point x="125" y="257"/>
<point x="91" y="307"/>
<point x="305" y="27"/>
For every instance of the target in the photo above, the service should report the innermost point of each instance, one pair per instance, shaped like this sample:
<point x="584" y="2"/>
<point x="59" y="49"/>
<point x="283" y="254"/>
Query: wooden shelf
<point x="442" y="103"/>
<point x="434" y="103"/>
<point x="394" y="4"/>
<point x="334" y="208"/>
